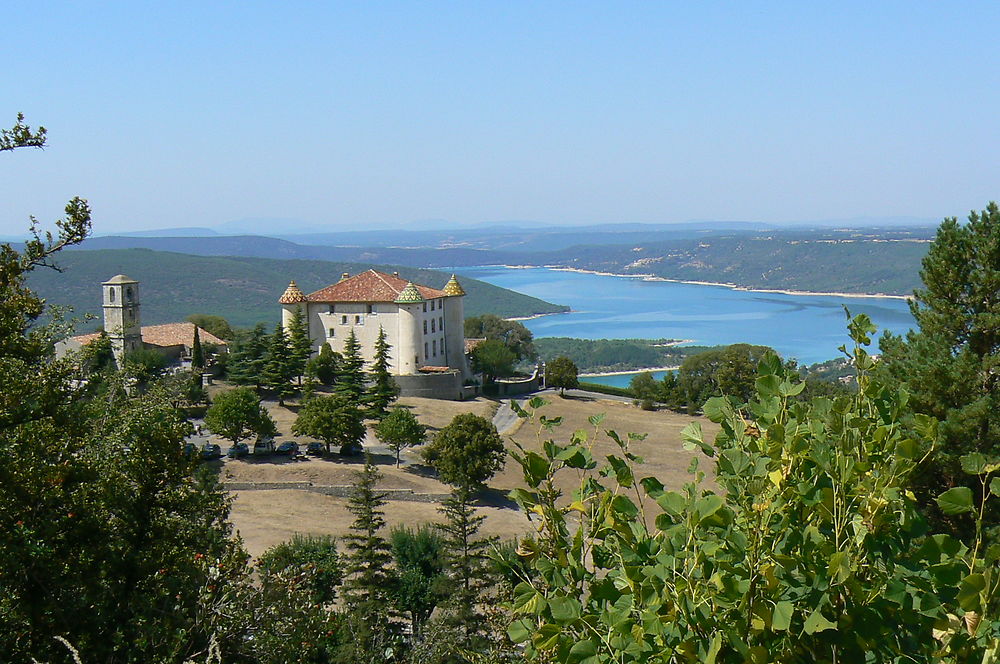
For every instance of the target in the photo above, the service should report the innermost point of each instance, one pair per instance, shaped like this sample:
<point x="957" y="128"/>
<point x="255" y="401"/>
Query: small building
<point x="425" y="326"/>
<point x="122" y="324"/>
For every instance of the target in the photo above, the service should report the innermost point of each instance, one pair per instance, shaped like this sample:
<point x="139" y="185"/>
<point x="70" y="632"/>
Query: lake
<point x="808" y="328"/>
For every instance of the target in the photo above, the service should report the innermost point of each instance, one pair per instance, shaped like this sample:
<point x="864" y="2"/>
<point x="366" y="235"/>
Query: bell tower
<point x="121" y="315"/>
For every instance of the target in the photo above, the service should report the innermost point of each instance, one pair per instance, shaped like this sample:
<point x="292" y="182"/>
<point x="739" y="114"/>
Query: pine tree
<point x="299" y="343"/>
<point x="197" y="354"/>
<point x="383" y="390"/>
<point x="351" y="372"/>
<point x="278" y="367"/>
<point x="950" y="364"/>
<point x="247" y="357"/>
<point x="468" y="564"/>
<point x="369" y="578"/>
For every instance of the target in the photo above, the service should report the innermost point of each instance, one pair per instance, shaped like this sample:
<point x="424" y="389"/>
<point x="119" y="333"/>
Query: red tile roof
<point x="370" y="286"/>
<point x="171" y="334"/>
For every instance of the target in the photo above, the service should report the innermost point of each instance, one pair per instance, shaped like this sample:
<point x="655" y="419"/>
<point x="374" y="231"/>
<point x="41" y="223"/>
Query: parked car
<point x="289" y="448"/>
<point x="316" y="448"/>
<point x="211" y="451"/>
<point x="238" y="450"/>
<point x="263" y="446"/>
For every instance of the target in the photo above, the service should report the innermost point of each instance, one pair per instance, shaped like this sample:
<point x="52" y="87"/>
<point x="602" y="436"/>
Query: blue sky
<point x="367" y="115"/>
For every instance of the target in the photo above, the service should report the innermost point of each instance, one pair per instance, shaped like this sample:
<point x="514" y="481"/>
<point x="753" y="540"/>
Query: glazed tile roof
<point x="292" y="294"/>
<point x="171" y="334"/>
<point x="370" y="286"/>
<point x="453" y="287"/>
<point x="409" y="295"/>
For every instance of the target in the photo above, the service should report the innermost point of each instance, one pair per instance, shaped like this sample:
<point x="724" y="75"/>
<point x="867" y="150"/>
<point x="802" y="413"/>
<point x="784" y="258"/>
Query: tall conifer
<point x="299" y="343"/>
<point x="383" y="390"/>
<point x="468" y="564"/>
<point x="369" y="578"/>
<point x="278" y="368"/>
<point x="197" y="354"/>
<point x="351" y="370"/>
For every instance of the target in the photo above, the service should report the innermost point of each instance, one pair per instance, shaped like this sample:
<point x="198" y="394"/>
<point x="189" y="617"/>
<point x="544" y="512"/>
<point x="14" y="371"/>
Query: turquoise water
<point x="808" y="328"/>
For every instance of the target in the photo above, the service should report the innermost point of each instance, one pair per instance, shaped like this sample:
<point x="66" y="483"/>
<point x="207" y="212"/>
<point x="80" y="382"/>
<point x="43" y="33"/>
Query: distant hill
<point x="244" y="290"/>
<point x="878" y="260"/>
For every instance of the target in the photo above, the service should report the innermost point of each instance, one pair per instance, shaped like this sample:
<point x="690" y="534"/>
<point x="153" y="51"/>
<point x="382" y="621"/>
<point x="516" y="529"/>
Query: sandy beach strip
<point x="653" y="277"/>
<point x="627" y="372"/>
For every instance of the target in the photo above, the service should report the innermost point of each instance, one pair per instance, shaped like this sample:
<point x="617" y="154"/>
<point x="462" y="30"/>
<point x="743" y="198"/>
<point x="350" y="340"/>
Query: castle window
<point x="425" y="349"/>
<point x="433" y="326"/>
<point x="369" y="309"/>
<point x="441" y="323"/>
<point x="111" y="294"/>
<point x="425" y="307"/>
<point x="343" y="320"/>
<point x="358" y="321"/>
<point x="425" y="327"/>
<point x="432" y="305"/>
<point x="434" y="346"/>
<point x="128" y="294"/>
<point x="332" y="308"/>
<point x="332" y="332"/>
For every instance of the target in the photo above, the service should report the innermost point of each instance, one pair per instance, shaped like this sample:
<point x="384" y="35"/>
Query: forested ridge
<point x="243" y="290"/>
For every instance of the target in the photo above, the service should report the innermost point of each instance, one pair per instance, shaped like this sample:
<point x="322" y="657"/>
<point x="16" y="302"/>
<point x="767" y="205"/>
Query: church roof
<point x="119" y="279"/>
<point x="453" y="287"/>
<point x="170" y="334"/>
<point x="371" y="286"/>
<point x="292" y="294"/>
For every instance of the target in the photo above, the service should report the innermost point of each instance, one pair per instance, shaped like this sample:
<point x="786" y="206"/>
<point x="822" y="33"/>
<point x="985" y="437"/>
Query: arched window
<point x="111" y="294"/>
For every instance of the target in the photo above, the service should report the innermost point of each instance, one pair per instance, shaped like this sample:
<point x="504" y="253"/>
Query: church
<point x="423" y="325"/>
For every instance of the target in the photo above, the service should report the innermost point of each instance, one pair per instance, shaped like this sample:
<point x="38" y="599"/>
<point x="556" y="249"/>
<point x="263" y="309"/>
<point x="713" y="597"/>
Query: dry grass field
<point x="265" y="517"/>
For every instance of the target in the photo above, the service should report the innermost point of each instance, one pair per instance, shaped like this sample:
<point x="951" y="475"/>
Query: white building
<point x="423" y="325"/>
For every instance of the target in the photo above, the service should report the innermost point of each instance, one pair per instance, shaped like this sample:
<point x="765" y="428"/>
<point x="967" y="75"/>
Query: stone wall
<point x="435" y="386"/>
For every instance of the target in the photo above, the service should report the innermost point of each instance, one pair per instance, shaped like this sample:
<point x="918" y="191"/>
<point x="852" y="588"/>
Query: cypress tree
<point x="351" y="371"/>
<point x="197" y="354"/>
<point x="383" y="390"/>
<point x="278" y="367"/>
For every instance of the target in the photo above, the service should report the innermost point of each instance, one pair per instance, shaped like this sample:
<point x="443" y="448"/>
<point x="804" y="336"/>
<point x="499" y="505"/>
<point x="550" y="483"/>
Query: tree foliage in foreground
<point x="335" y="420"/>
<point x="813" y="549"/>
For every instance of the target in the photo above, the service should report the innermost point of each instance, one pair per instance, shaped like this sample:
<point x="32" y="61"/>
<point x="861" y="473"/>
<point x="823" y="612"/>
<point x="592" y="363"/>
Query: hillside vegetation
<point x="594" y="355"/>
<point x="243" y="290"/>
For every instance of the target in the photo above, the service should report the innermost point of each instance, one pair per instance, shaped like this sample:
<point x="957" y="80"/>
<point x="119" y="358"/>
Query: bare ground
<point x="265" y="517"/>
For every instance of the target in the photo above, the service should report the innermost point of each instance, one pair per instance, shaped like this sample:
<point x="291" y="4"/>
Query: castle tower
<point x="121" y="315"/>
<point x="454" y="321"/>
<point x="409" y="357"/>
<point x="293" y="299"/>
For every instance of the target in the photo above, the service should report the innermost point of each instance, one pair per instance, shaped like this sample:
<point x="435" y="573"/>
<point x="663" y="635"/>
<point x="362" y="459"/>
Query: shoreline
<point x="653" y="277"/>
<point x="627" y="372"/>
<point x="534" y="316"/>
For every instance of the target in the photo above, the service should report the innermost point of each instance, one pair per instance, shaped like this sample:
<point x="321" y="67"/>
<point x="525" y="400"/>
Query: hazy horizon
<point x="427" y="115"/>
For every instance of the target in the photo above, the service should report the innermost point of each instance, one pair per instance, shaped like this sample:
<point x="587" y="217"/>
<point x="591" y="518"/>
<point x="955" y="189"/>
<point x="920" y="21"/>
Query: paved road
<point x="505" y="418"/>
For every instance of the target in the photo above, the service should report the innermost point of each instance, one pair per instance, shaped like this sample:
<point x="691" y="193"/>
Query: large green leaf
<point x="816" y="622"/>
<point x="957" y="500"/>
<point x="583" y="652"/>
<point x="970" y="592"/>
<point x="564" y="609"/>
<point x="995" y="486"/>
<point x="781" y="619"/>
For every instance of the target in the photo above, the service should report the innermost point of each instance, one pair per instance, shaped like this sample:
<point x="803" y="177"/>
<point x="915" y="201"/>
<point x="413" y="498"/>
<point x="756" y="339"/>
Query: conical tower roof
<point x="409" y="295"/>
<point x="453" y="287"/>
<point x="292" y="294"/>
